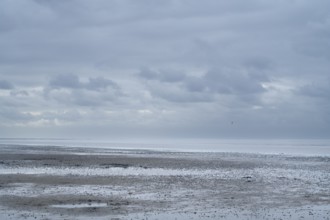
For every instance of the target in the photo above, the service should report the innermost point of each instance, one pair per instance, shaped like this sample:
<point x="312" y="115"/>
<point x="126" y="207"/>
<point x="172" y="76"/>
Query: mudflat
<point x="54" y="182"/>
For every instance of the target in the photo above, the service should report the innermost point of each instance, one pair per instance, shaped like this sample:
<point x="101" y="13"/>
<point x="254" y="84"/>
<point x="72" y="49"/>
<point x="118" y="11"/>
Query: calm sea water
<point x="308" y="147"/>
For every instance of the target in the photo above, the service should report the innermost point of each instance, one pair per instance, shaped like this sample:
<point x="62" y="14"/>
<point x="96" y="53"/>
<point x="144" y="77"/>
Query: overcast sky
<point x="165" y="68"/>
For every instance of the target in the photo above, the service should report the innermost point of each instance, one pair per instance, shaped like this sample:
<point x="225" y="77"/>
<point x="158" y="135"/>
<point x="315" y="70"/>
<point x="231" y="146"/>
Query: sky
<point x="165" y="69"/>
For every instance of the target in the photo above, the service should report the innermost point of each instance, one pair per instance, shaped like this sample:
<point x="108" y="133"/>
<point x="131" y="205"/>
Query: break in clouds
<point x="172" y="68"/>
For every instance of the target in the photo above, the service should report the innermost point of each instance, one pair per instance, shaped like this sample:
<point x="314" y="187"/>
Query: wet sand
<point x="82" y="183"/>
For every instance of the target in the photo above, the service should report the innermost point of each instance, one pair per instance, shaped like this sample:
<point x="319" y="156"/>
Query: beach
<point x="54" y="182"/>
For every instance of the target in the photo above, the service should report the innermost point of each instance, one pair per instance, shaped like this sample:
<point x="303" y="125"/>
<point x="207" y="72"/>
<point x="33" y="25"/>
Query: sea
<point x="301" y="147"/>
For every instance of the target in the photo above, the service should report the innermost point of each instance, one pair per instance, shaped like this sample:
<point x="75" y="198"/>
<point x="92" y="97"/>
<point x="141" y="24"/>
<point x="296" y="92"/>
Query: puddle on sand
<point x="80" y="205"/>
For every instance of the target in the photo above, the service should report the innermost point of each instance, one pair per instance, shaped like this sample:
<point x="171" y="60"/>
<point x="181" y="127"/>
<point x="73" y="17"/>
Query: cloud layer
<point x="181" y="68"/>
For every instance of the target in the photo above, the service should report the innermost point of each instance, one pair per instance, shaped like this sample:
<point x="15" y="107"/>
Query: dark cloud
<point x="100" y="83"/>
<point x="69" y="89"/>
<point x="170" y="76"/>
<point x="195" y="84"/>
<point x="232" y="82"/>
<point x="6" y="85"/>
<point x="184" y="88"/>
<point x="66" y="81"/>
<point x="179" y="94"/>
<point x="13" y="115"/>
<point x="315" y="42"/>
<point x="175" y="86"/>
<point x="259" y="64"/>
<point x="72" y="81"/>
<point x="19" y="93"/>
<point x="317" y="89"/>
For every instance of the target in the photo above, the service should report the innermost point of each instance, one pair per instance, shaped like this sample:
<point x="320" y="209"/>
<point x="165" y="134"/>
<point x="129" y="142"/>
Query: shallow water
<point x="137" y="184"/>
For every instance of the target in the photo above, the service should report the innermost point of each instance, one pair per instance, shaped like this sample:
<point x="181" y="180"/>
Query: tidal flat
<point x="53" y="182"/>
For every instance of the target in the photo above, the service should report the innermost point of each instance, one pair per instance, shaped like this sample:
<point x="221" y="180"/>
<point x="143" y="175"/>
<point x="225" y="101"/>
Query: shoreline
<point x="95" y="149"/>
<point x="294" y="147"/>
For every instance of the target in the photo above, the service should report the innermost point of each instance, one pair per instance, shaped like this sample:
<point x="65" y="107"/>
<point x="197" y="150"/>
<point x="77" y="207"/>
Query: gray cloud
<point x="263" y="64"/>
